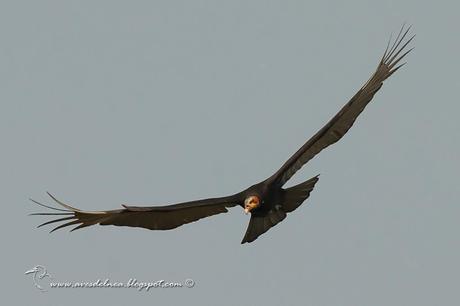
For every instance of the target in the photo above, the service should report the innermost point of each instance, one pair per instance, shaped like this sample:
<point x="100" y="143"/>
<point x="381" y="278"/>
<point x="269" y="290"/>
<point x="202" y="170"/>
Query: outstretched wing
<point x="153" y="218"/>
<point x="344" y="119"/>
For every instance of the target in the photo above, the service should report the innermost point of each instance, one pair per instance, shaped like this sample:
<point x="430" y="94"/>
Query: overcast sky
<point x="156" y="102"/>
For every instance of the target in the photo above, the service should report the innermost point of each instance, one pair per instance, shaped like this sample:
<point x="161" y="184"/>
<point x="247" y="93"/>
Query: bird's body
<point x="268" y="201"/>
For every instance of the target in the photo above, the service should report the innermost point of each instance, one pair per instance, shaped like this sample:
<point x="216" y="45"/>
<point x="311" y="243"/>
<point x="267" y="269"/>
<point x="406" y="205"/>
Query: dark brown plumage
<point x="268" y="202"/>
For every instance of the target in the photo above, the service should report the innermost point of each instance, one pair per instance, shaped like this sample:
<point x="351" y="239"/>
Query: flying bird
<point x="267" y="202"/>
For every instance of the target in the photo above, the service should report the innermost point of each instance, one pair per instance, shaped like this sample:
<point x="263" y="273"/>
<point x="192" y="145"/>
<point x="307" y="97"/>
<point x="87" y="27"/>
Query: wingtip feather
<point x="65" y="225"/>
<point x="62" y="203"/>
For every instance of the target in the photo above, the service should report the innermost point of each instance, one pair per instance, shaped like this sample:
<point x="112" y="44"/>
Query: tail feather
<point x="260" y="223"/>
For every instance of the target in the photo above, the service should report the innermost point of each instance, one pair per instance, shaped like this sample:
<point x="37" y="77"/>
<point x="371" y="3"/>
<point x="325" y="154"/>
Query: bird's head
<point x="251" y="203"/>
<point x="37" y="269"/>
<point x="33" y="270"/>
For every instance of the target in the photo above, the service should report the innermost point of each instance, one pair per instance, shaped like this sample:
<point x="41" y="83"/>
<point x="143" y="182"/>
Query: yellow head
<point x="251" y="203"/>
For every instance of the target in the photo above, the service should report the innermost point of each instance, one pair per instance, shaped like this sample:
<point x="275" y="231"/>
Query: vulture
<point x="267" y="202"/>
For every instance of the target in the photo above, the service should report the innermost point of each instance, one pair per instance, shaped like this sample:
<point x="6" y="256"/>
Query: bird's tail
<point x="296" y="195"/>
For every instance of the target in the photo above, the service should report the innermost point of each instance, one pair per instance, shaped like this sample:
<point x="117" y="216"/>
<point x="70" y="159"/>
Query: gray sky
<point x="155" y="102"/>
